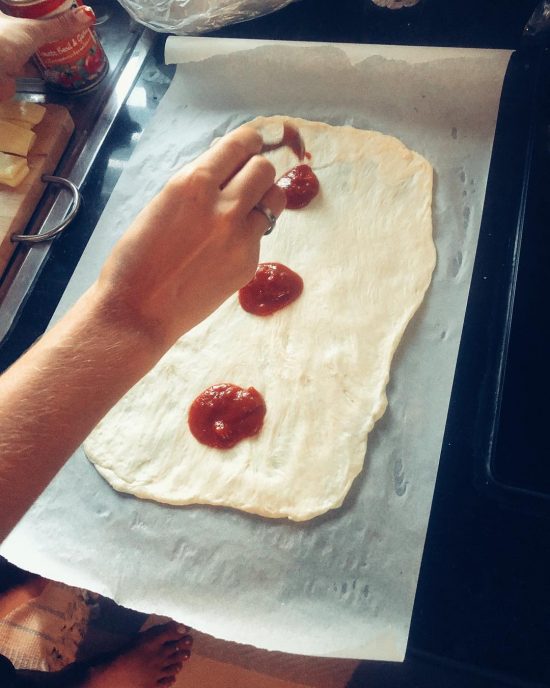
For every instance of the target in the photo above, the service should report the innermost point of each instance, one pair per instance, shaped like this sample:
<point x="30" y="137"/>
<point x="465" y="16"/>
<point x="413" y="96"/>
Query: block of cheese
<point x="14" y="139"/>
<point x="22" y="110"/>
<point x="19" y="123"/>
<point x="19" y="191"/>
<point x="13" y="169"/>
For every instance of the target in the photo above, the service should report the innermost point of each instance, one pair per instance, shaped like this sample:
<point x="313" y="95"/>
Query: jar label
<point x="64" y="52"/>
<point x="73" y="63"/>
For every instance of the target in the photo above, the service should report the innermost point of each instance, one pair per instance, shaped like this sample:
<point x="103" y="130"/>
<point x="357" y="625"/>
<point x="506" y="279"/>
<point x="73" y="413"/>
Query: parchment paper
<point x="343" y="584"/>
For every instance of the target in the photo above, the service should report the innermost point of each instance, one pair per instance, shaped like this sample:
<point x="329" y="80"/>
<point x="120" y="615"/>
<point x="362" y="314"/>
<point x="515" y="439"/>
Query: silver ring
<point x="266" y="212"/>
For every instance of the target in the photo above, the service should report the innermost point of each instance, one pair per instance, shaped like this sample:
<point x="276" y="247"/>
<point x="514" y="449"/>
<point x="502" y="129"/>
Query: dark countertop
<point x="468" y="23"/>
<point x="481" y="614"/>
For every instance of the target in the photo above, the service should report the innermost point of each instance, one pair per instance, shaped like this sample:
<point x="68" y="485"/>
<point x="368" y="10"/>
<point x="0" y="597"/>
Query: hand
<point x="196" y="243"/>
<point x="20" y="38"/>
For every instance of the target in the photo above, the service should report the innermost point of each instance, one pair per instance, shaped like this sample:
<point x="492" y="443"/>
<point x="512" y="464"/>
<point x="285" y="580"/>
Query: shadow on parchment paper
<point x="362" y="95"/>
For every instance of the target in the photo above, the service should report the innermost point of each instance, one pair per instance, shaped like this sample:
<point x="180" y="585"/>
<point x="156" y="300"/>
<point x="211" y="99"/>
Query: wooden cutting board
<point x="17" y="205"/>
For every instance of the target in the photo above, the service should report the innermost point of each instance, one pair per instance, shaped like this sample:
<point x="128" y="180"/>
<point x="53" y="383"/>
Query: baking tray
<point x="281" y="546"/>
<point x="499" y="397"/>
<point x="94" y="113"/>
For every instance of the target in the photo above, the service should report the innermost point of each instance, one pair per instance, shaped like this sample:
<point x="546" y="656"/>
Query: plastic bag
<point x="539" y="22"/>
<point x="197" y="16"/>
<point x="395" y="4"/>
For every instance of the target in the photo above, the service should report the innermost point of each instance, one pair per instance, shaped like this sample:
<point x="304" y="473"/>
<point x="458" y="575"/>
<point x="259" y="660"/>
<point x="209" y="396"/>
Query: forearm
<point x="53" y="396"/>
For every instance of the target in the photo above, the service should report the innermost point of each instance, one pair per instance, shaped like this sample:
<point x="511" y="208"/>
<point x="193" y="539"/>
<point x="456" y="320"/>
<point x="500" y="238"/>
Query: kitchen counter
<point x="481" y="611"/>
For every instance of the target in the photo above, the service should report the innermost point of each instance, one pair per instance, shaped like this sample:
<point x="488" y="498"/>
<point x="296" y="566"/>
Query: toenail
<point x="185" y="654"/>
<point x="187" y="640"/>
<point x="181" y="629"/>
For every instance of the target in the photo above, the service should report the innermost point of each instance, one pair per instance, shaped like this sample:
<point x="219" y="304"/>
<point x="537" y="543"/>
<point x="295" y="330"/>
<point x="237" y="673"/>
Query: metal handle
<point x="73" y="210"/>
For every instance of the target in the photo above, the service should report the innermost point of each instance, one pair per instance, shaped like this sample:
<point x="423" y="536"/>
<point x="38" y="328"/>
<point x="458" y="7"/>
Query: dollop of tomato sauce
<point x="300" y="185"/>
<point x="225" y="414"/>
<point x="273" y="287"/>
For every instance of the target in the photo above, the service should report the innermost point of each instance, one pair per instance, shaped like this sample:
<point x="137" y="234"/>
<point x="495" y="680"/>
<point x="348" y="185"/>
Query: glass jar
<point x="70" y="65"/>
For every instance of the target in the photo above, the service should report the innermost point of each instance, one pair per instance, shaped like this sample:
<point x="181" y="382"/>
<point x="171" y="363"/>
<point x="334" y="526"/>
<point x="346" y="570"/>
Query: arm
<point x="195" y="244"/>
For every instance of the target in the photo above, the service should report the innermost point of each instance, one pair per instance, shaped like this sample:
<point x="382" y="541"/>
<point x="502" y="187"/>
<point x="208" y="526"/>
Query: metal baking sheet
<point x="341" y="585"/>
<point x="94" y="114"/>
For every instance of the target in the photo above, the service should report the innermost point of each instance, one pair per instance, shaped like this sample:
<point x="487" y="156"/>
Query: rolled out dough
<point x="364" y="249"/>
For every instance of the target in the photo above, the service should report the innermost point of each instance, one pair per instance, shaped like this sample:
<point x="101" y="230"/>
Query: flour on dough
<point x="364" y="249"/>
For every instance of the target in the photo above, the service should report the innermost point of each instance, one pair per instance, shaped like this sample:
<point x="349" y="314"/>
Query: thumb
<point x="62" y="26"/>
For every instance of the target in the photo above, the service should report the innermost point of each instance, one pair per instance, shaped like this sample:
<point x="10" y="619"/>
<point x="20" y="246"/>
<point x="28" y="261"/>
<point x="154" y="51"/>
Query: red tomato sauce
<point x="225" y="414"/>
<point x="273" y="287"/>
<point x="300" y="185"/>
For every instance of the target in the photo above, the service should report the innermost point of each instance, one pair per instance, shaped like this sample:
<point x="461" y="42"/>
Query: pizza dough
<point x="364" y="249"/>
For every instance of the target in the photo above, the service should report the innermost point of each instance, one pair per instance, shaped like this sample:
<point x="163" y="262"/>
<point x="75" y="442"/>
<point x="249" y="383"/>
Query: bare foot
<point x="153" y="661"/>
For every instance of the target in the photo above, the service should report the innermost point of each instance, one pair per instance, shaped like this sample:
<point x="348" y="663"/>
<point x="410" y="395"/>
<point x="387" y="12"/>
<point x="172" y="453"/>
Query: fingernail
<point x="84" y="14"/>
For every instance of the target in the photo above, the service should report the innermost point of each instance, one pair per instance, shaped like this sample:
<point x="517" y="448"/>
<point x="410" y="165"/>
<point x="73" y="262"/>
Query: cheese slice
<point x="22" y="110"/>
<point x="13" y="169"/>
<point x="15" y="139"/>
<point x="18" y="123"/>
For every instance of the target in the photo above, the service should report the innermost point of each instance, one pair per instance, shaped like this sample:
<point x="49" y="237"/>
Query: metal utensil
<point x="291" y="138"/>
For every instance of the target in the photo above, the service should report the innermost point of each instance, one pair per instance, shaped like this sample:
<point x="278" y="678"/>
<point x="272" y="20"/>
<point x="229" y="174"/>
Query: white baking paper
<point x="343" y="584"/>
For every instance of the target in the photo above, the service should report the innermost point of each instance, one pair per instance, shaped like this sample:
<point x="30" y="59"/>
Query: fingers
<point x="229" y="154"/>
<point x="7" y="88"/>
<point x="251" y="180"/>
<point x="250" y="183"/>
<point x="241" y="176"/>
<point x="274" y="200"/>
<point x="63" y="25"/>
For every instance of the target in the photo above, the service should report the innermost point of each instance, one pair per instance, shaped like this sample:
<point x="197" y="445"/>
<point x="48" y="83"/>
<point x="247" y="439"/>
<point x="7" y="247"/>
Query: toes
<point x="184" y="655"/>
<point x="172" y="669"/>
<point x="175" y="632"/>
<point x="166" y="681"/>
<point x="175" y="647"/>
<point x="156" y="633"/>
<point x="186" y="641"/>
<point x="159" y="635"/>
<point x="181" y="655"/>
